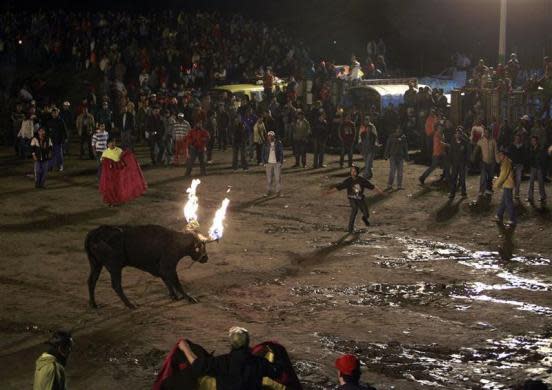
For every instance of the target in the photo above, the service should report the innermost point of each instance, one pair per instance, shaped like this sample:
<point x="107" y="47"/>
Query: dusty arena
<point x="431" y="295"/>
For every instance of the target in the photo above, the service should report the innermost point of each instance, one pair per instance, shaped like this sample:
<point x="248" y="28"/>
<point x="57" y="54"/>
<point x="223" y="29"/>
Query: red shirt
<point x="197" y="138"/>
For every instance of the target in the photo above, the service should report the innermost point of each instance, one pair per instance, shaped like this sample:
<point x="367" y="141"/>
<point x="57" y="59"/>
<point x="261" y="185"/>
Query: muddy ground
<point x="433" y="294"/>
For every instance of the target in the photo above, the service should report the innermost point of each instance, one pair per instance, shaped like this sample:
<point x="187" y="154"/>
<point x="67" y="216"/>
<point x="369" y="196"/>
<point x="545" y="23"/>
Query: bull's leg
<point x="170" y="287"/>
<point x="179" y="289"/>
<point x="95" y="270"/>
<point x="116" y="284"/>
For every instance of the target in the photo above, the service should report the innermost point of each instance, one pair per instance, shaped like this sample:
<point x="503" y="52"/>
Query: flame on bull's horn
<point x="190" y="209"/>
<point x="217" y="228"/>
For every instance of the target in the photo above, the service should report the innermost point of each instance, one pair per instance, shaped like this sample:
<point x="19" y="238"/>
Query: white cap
<point x="271" y="133"/>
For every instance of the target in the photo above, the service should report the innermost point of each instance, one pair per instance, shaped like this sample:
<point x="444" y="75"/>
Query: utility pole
<point x="502" y="34"/>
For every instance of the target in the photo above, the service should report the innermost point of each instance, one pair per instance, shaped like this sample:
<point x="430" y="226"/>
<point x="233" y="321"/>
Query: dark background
<point x="421" y="35"/>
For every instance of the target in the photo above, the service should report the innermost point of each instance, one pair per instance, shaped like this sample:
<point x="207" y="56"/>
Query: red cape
<point x="121" y="181"/>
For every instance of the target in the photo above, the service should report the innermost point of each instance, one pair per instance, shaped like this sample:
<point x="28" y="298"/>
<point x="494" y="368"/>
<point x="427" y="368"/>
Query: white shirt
<point x="272" y="154"/>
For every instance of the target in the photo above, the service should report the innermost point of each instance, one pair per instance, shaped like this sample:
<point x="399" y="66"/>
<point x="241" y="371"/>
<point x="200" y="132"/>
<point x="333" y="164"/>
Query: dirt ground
<point x="432" y="294"/>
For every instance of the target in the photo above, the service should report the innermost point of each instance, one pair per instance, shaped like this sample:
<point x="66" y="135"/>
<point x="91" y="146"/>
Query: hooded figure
<point x="50" y="366"/>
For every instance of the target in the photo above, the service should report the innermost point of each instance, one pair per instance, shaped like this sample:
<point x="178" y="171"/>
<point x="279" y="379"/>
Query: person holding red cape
<point x="121" y="179"/>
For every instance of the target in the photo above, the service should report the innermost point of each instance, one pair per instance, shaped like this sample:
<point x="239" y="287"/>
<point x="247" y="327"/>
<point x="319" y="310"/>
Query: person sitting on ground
<point x="237" y="370"/>
<point x="348" y="373"/>
<point x="50" y="366"/>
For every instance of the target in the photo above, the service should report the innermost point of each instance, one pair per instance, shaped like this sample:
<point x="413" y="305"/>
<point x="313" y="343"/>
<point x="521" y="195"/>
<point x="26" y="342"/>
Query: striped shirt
<point x="99" y="141"/>
<point x="180" y="129"/>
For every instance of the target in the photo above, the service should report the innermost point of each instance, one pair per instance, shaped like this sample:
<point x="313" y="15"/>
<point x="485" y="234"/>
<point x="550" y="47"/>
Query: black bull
<point x="150" y="248"/>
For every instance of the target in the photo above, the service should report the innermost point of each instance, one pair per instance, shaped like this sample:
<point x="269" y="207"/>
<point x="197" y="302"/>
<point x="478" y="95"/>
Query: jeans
<point x="458" y="177"/>
<point x="300" y="152"/>
<point x="40" y="171"/>
<point x="273" y="177"/>
<point x="239" y="149"/>
<point x="538" y="175"/>
<point x="486" y="179"/>
<point x="222" y="138"/>
<point x="258" y="152"/>
<point x="436" y="161"/>
<point x="507" y="204"/>
<point x="518" y="172"/>
<point x="199" y="154"/>
<point x="396" y="165"/>
<point x="57" y="156"/>
<point x="157" y="148"/>
<point x="357" y="204"/>
<point x="319" y="150"/>
<point x="368" y="163"/>
<point x="346" y="149"/>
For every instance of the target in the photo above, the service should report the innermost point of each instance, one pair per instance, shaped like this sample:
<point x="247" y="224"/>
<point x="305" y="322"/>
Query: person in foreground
<point x="355" y="186"/>
<point x="121" y="178"/>
<point x="50" y="366"/>
<point x="348" y="373"/>
<point x="237" y="370"/>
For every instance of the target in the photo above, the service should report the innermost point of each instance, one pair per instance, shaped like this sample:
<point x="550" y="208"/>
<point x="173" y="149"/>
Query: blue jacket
<point x="279" y="152"/>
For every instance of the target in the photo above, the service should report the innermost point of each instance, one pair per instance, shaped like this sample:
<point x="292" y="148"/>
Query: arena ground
<point x="433" y="294"/>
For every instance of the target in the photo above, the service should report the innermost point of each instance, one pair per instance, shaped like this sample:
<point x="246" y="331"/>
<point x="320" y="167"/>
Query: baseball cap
<point x="180" y="115"/>
<point x="347" y="364"/>
<point x="271" y="133"/>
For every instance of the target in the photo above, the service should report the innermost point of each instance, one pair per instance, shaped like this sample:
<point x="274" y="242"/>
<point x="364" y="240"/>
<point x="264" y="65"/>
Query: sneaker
<point x="323" y="166"/>
<point x="266" y="195"/>
<point x="400" y="188"/>
<point x="464" y="195"/>
<point x="388" y="188"/>
<point x="497" y="219"/>
<point x="365" y="220"/>
<point x="421" y="180"/>
<point x="210" y="162"/>
<point x="488" y="192"/>
<point x="61" y="168"/>
<point x="451" y="195"/>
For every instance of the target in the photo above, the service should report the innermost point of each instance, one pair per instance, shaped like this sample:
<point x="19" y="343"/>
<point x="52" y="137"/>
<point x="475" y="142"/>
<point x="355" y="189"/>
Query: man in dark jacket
<point x="355" y="186"/>
<point x="239" y="143"/>
<point x="537" y="164"/>
<point x="459" y="158"/>
<point x="348" y="373"/>
<point x="320" y="133"/>
<point x="236" y="370"/>
<point x="518" y="155"/>
<point x="272" y="157"/>
<point x="155" y="133"/>
<point x="125" y="123"/>
<point x="396" y="150"/>
<point x="50" y="366"/>
<point x="58" y="135"/>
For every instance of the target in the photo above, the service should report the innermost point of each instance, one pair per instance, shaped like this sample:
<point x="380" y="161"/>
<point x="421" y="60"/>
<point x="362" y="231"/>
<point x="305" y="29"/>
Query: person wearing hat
<point x="239" y="142"/>
<point x="273" y="158"/>
<point x="41" y="147"/>
<point x="50" y="366"/>
<point x="459" y="159"/>
<point x="179" y="130"/>
<point x="238" y="369"/>
<point x="506" y="181"/>
<point x="320" y="132"/>
<point x="348" y="373"/>
<point x="355" y="185"/>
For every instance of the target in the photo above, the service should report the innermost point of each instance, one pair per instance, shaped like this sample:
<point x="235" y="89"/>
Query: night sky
<point x="420" y="34"/>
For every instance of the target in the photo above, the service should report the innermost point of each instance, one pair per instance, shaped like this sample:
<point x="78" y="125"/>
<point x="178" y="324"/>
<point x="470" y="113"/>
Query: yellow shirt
<point x="113" y="154"/>
<point x="506" y="178"/>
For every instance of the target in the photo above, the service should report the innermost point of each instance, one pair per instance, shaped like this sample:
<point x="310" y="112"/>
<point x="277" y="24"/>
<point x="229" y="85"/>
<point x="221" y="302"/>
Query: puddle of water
<point x="495" y="365"/>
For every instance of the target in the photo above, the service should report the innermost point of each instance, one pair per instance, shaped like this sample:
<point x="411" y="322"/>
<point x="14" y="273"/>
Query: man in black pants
<point x="355" y="186"/>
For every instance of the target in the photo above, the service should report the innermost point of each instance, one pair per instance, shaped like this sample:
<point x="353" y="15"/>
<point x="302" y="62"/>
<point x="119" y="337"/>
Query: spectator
<point x="239" y="143"/>
<point x="155" y="134"/>
<point x="506" y="181"/>
<point x="537" y="164"/>
<point x="518" y="155"/>
<point x="540" y="132"/>
<point x="239" y="369"/>
<point x="126" y="124"/>
<point x="347" y="136"/>
<point x="17" y="118"/>
<point x="348" y="373"/>
<point x="25" y="135"/>
<point x="259" y="138"/>
<point x="368" y="145"/>
<point x="68" y="118"/>
<point x="273" y="158"/>
<point x="99" y="145"/>
<point x="487" y="146"/>
<point x="430" y="123"/>
<point x="50" y="366"/>
<point x="41" y="147"/>
<point x="459" y="158"/>
<point x="105" y="116"/>
<point x="477" y="132"/>
<point x="197" y="140"/>
<point x="396" y="150"/>
<point x="211" y="127"/>
<point x="58" y="135"/>
<point x="223" y="123"/>
<point x="301" y="134"/>
<point x="320" y="137"/>
<point x="85" y="127"/>
<point x="438" y="158"/>
<point x="179" y="130"/>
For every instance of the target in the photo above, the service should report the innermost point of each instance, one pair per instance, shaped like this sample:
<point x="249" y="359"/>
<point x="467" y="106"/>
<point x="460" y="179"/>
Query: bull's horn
<point x="212" y="240"/>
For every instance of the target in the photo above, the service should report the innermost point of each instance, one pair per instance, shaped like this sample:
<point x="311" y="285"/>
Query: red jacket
<point x="197" y="138"/>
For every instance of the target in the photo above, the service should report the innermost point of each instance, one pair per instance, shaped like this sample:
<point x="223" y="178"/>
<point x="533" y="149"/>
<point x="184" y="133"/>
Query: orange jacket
<point x="430" y="125"/>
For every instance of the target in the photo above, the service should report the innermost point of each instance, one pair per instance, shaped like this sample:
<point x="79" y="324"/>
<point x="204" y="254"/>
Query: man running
<point x="355" y="186"/>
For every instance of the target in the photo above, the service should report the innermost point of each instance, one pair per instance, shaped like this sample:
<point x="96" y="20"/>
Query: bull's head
<point x="199" y="251"/>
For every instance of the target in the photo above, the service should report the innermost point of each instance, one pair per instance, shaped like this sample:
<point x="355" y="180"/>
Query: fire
<point x="190" y="209"/>
<point x="217" y="228"/>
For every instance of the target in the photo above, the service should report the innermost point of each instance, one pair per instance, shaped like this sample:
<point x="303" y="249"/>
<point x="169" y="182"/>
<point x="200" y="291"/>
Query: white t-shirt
<point x="272" y="154"/>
